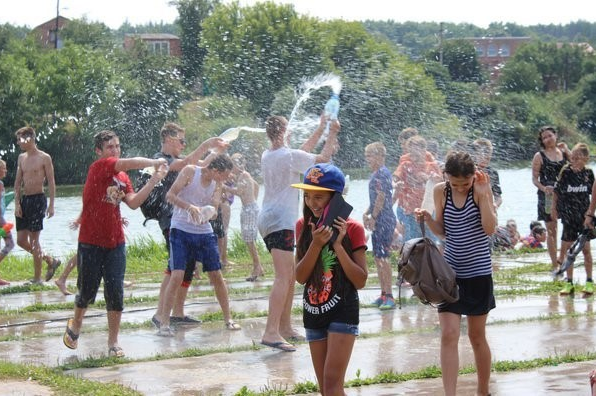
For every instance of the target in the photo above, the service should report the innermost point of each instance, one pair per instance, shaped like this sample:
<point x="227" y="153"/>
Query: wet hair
<point x="103" y="136"/>
<point x="538" y="230"/>
<point x="238" y="160"/>
<point x="482" y="145"/>
<point x="415" y="141"/>
<point x="582" y="148"/>
<point x="25" y="132"/>
<point x="170" y="129"/>
<point x="376" y="148"/>
<point x="459" y="164"/>
<point x="275" y="126"/>
<point x="535" y="223"/>
<point x="303" y="242"/>
<point x="544" y="129"/>
<point x="221" y="163"/>
<point x="407" y="133"/>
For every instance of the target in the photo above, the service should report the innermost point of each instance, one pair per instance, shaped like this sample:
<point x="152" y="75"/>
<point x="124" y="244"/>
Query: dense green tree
<point x="560" y="66"/>
<point x="520" y="76"/>
<point x="460" y="58"/>
<point x="92" y="34"/>
<point x="586" y="104"/>
<point x="255" y="51"/>
<point x="192" y="13"/>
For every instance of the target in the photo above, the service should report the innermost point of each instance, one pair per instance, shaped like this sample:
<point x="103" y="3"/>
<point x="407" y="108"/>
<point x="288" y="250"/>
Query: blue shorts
<point x="382" y="236"/>
<point x="95" y="263"/>
<point x="334" y="327"/>
<point x="186" y="247"/>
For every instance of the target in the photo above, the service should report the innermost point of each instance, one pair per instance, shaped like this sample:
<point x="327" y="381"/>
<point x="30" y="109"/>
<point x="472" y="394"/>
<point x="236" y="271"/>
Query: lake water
<point x="519" y="203"/>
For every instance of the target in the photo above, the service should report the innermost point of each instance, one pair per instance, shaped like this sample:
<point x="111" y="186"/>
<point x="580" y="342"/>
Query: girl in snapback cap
<point x="331" y="272"/>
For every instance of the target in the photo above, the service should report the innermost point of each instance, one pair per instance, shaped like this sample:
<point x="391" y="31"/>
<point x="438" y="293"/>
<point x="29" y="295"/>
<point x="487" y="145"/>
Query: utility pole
<point x="57" y="16"/>
<point x="441" y="43"/>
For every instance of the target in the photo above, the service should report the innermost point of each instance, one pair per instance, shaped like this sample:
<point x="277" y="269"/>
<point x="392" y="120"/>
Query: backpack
<point x="424" y="267"/>
<point x="155" y="206"/>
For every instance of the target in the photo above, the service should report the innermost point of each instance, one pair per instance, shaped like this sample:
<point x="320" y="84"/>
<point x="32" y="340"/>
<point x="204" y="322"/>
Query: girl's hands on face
<point x="482" y="182"/>
<point x="342" y="227"/>
<point x="321" y="235"/>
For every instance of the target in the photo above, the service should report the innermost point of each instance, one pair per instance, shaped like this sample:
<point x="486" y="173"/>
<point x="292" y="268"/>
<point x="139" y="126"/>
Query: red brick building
<point x="494" y="52"/>
<point x="46" y="32"/>
<point x="158" y="43"/>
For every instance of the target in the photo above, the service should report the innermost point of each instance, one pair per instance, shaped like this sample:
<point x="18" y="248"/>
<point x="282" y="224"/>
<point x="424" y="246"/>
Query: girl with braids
<point x="331" y="272"/>
<point x="465" y="217"/>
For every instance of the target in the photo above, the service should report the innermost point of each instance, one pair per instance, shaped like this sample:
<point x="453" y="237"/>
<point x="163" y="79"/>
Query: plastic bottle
<point x="347" y="185"/>
<point x="207" y="212"/>
<point x="548" y="203"/>
<point x="331" y="110"/>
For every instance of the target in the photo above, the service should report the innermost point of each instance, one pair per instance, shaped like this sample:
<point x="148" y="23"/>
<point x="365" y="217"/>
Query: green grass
<point x="59" y="382"/>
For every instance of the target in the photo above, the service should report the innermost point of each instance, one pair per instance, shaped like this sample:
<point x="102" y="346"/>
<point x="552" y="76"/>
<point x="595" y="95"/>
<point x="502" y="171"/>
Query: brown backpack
<point x="424" y="267"/>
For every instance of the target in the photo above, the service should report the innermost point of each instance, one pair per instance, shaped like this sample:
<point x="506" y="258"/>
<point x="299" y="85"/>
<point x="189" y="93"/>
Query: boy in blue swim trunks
<point x="381" y="220"/>
<point x="191" y="235"/>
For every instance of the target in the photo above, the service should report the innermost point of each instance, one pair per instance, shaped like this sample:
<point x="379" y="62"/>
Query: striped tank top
<point x="466" y="243"/>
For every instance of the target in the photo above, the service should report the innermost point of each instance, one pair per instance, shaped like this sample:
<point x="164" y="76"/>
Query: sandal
<point x="115" y="351"/>
<point x="231" y="325"/>
<point x="253" y="278"/>
<point x="52" y="268"/>
<point x="70" y="339"/>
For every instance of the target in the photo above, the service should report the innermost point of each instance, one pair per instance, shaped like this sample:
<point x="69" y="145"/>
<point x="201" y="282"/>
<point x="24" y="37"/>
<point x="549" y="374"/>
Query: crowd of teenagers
<point x="322" y="248"/>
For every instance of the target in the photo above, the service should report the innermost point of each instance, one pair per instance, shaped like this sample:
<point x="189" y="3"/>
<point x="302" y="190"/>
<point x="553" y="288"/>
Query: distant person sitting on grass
<point x="535" y="239"/>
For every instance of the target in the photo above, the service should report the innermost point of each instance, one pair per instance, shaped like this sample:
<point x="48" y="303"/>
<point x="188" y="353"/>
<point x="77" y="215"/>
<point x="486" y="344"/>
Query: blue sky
<point x="114" y="12"/>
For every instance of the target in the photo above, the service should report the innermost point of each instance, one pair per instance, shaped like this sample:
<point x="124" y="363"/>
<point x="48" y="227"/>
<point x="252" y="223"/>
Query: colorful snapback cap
<point x="323" y="177"/>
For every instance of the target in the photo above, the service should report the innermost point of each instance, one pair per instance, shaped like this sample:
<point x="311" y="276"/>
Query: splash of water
<point x="232" y="133"/>
<point x="301" y="128"/>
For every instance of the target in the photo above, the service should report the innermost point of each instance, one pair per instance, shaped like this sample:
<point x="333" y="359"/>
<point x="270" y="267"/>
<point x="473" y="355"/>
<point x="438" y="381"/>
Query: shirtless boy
<point x="248" y="190"/>
<point x="34" y="168"/>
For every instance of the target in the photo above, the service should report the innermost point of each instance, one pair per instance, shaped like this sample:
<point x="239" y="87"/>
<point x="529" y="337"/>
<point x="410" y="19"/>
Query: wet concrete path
<point x="403" y="340"/>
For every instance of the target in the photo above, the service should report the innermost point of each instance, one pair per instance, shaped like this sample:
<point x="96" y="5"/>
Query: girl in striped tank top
<point x="465" y="217"/>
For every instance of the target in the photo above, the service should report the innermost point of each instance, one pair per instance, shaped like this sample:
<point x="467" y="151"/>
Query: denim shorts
<point x="334" y="327"/>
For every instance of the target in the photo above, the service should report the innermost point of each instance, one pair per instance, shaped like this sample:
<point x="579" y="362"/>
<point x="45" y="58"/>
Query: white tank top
<point x="195" y="194"/>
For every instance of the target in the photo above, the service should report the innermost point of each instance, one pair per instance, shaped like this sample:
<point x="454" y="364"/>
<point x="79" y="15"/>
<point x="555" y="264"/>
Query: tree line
<point x="241" y="64"/>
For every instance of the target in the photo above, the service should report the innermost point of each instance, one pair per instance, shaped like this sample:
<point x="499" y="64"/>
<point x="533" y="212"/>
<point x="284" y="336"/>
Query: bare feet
<point x="61" y="283"/>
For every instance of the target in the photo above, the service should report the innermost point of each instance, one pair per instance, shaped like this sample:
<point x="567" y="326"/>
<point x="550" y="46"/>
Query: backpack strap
<point x="422" y="228"/>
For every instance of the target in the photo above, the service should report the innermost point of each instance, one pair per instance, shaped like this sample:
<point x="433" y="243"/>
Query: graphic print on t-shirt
<point x="115" y="193"/>
<point x="329" y="259"/>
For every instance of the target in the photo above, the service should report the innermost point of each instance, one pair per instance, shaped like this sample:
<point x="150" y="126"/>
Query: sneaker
<point x="156" y="321"/>
<point x="388" y="304"/>
<point x="185" y="321"/>
<point x="33" y="282"/>
<point x="165" y="332"/>
<point x="567" y="289"/>
<point x="379" y="301"/>
<point x="589" y="288"/>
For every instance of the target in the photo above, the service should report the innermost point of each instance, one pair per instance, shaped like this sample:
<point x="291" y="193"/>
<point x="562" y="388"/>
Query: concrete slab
<point x="402" y="340"/>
